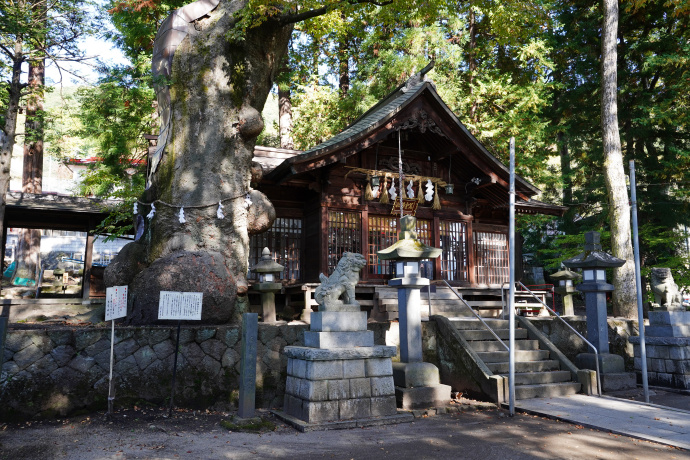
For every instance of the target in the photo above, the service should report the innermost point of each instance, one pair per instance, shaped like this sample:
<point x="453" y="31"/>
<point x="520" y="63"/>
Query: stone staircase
<point x="538" y="374"/>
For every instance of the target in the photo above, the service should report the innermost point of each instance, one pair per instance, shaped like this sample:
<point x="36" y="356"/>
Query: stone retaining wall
<point x="59" y="371"/>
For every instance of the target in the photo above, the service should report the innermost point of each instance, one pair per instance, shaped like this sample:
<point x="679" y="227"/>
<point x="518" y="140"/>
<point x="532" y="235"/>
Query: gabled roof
<point x="384" y="113"/>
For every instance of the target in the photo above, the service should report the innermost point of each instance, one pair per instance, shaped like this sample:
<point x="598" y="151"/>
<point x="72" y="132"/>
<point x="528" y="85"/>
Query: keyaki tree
<point x="196" y="215"/>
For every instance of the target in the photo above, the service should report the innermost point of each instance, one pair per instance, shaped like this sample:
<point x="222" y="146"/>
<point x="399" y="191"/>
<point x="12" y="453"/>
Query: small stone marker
<point x="250" y="329"/>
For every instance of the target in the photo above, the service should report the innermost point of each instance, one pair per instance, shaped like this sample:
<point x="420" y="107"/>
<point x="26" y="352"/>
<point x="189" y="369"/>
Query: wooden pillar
<point x="323" y="257"/>
<point x="470" y="253"/>
<point x="436" y="242"/>
<point x="365" y="242"/>
<point x="88" y="259"/>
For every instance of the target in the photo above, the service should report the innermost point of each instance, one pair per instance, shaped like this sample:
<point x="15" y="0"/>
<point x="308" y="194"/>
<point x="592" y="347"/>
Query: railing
<point x="474" y="313"/>
<point x="596" y="353"/>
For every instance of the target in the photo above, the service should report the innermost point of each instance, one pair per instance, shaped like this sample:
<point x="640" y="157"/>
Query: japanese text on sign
<point x="409" y="206"/>
<point x="115" y="302"/>
<point x="180" y="305"/>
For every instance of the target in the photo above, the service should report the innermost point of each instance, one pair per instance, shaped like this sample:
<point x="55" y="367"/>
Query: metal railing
<point x="596" y="353"/>
<point x="474" y="313"/>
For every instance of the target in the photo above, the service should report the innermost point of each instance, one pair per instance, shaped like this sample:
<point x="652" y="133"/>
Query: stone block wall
<point x="668" y="361"/>
<point x="620" y="330"/>
<point x="59" y="370"/>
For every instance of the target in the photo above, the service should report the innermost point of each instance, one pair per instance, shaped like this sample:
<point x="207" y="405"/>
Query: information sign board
<point x="180" y="305"/>
<point x="115" y="302"/>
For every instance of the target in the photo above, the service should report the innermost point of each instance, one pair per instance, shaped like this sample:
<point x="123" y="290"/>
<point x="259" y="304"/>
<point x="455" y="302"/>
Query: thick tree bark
<point x="217" y="92"/>
<point x="624" y="295"/>
<point x="285" y="116"/>
<point x="472" y="62"/>
<point x="29" y="248"/>
<point x="9" y="130"/>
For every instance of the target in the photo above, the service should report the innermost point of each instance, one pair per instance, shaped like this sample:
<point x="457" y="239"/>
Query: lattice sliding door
<point x="344" y="235"/>
<point x="284" y="240"/>
<point x="454" y="263"/>
<point x="383" y="232"/>
<point x="491" y="257"/>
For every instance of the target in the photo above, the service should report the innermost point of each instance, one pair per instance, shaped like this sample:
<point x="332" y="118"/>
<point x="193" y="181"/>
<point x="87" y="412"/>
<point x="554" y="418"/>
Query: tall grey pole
<point x="638" y="281"/>
<point x="511" y="292"/>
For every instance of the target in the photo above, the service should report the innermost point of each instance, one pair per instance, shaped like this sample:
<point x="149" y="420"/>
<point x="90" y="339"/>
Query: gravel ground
<point x="477" y="434"/>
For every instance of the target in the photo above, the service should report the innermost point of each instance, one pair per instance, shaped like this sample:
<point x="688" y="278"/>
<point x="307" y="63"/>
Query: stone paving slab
<point x="301" y="425"/>
<point x="651" y="422"/>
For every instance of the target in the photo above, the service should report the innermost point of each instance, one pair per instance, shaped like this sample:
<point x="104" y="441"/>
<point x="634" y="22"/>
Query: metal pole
<point x="638" y="281"/>
<point x="511" y="295"/>
<point x="111" y="393"/>
<point x="177" y="351"/>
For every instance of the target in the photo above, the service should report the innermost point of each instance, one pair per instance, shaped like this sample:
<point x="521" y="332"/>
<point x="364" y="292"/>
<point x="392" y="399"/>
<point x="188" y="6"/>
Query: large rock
<point x="187" y="271"/>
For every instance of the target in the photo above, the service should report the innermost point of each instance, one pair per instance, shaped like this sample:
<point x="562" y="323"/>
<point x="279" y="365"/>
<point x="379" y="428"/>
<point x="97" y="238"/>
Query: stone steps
<point x="536" y="374"/>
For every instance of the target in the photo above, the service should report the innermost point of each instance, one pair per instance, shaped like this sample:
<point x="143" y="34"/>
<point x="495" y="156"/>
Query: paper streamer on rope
<point x="247" y="201"/>
<point x="220" y="213"/>
<point x="136" y="208"/>
<point x="429" y="190"/>
<point x="181" y="216"/>
<point x="410" y="191"/>
<point x="392" y="192"/>
<point x="152" y="212"/>
<point x="384" y="192"/>
<point x="375" y="192"/>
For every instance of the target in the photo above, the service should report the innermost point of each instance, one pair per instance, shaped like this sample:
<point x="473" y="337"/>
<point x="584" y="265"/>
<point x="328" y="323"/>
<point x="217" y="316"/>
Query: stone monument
<point x="417" y="384"/>
<point x="340" y="379"/>
<point x="594" y="263"/>
<point x="667" y="338"/>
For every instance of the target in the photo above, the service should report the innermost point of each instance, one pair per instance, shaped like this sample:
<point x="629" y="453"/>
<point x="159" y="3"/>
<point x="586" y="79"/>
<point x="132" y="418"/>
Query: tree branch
<point x="303" y="16"/>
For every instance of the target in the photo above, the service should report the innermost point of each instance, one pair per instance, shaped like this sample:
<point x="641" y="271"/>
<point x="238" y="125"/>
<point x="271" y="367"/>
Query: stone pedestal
<point x="667" y="343"/>
<point x="612" y="368"/>
<point x="410" y="316"/>
<point x="340" y="379"/>
<point x="268" y="300"/>
<point x="418" y="386"/>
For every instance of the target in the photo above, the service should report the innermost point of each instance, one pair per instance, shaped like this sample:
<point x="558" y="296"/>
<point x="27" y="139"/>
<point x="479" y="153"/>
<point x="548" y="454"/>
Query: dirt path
<point x="188" y="435"/>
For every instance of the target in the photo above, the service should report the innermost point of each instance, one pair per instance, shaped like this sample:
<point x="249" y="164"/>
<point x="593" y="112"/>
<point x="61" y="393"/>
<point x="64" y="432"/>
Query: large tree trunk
<point x="9" y="129"/>
<point x="624" y="295"/>
<point x="218" y="88"/>
<point x="29" y="248"/>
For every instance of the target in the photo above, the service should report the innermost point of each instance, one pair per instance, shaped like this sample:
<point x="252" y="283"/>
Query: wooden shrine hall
<point x="339" y="196"/>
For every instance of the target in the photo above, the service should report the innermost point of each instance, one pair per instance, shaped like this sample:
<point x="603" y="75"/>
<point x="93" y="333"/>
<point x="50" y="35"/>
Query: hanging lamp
<point x="449" y="186"/>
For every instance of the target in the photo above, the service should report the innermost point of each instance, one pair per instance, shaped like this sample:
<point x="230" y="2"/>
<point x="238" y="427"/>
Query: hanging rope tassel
<point x="384" y="193"/>
<point x="437" y="203"/>
<point x="420" y="192"/>
<point x="368" y="193"/>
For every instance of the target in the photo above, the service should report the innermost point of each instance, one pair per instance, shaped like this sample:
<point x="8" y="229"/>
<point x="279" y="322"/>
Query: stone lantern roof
<point x="593" y="256"/>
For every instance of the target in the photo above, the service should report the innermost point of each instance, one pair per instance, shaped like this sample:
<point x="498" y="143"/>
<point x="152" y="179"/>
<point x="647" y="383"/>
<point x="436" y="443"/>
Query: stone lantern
<point x="565" y="288"/>
<point x="269" y="283"/>
<point x="417" y="384"/>
<point x="594" y="262"/>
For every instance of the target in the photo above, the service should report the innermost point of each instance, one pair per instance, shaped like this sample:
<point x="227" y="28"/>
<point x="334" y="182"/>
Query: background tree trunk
<point x="29" y="240"/>
<point x="624" y="295"/>
<point x="285" y="112"/>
